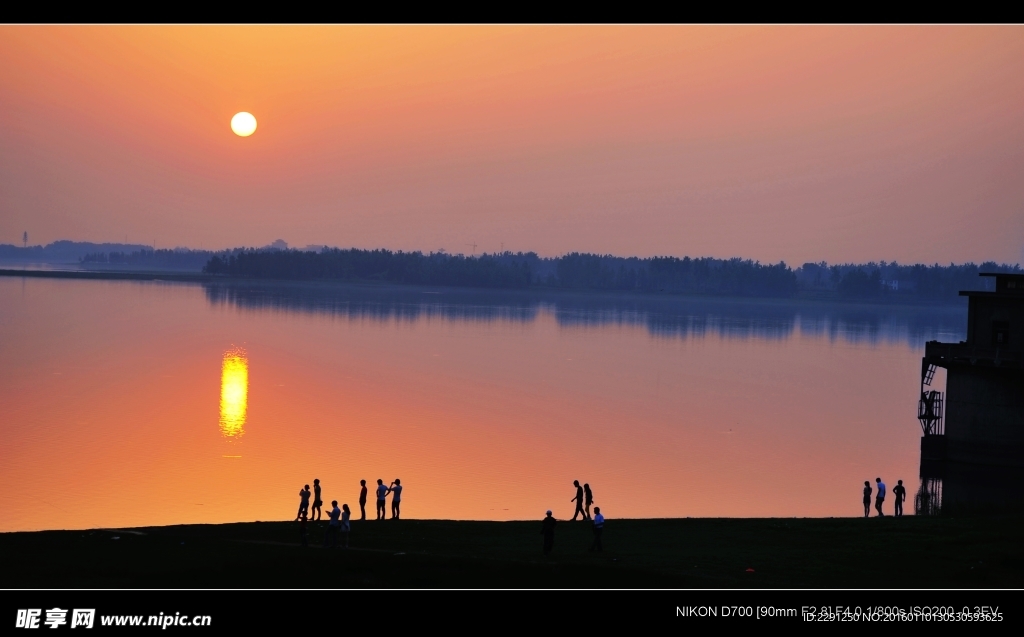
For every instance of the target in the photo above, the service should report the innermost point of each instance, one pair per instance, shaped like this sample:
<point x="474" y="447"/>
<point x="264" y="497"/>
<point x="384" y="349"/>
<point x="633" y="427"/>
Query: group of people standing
<point x="340" y="518"/>
<point x="395" y="489"/>
<point x="899" y="495"/>
<point x="339" y="524"/>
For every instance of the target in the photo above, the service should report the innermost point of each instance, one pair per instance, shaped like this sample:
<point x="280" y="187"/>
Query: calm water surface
<point x="126" y="403"/>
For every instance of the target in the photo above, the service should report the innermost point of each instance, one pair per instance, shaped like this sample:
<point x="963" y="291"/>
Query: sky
<point x="795" y="143"/>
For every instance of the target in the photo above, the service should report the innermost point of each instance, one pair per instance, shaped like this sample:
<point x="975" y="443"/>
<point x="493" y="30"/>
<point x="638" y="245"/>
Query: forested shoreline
<point x="583" y="271"/>
<point x="523" y="270"/>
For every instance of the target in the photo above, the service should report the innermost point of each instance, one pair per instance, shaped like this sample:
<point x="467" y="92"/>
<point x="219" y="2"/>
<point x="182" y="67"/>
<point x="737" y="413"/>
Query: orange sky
<point x="795" y="143"/>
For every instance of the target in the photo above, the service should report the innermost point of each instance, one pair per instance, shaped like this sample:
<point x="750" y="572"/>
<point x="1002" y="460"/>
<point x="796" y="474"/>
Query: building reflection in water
<point x="234" y="392"/>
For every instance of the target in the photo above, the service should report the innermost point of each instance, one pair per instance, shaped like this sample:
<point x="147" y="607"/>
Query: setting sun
<point x="243" y="124"/>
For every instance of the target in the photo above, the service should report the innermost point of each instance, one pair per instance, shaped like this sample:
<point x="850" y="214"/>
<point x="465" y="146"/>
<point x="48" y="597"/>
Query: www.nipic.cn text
<point x="86" y="618"/>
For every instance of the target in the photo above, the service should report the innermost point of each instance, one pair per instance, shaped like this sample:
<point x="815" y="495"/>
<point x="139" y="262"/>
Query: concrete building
<point x="980" y="431"/>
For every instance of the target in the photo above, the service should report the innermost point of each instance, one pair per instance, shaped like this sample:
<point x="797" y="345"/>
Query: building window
<point x="1000" y="333"/>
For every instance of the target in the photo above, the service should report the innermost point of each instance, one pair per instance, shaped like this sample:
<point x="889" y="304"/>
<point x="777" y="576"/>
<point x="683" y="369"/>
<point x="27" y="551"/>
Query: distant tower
<point x="24" y="238"/>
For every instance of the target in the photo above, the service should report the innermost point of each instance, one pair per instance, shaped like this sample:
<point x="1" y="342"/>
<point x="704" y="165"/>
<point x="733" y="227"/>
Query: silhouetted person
<point x="362" y="500"/>
<point x="598" y="529"/>
<point x="867" y="499"/>
<point x="579" y="501"/>
<point x="382" y="492"/>
<point x="346" y="515"/>
<point x="879" y="496"/>
<point x="317" y="502"/>
<point x="396" y="498"/>
<point x="303" y="502"/>
<point x="331" y="537"/>
<point x="548" y="531"/>
<point x="303" y="531"/>
<point x="588" y="496"/>
<point x="900" y="494"/>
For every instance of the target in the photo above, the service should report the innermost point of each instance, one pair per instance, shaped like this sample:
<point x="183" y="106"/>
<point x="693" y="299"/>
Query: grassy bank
<point x="687" y="553"/>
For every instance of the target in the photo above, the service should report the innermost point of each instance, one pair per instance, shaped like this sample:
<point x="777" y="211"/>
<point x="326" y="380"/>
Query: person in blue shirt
<point x="598" y="529"/>
<point x="331" y="537"/>
<point x="879" y="496"/>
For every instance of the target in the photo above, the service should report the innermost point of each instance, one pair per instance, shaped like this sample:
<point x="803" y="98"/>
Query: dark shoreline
<point x="910" y="552"/>
<point x="538" y="293"/>
<point x="111" y="276"/>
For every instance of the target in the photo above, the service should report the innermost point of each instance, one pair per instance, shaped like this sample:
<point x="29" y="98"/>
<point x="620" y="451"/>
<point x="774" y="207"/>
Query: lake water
<point x="128" y="403"/>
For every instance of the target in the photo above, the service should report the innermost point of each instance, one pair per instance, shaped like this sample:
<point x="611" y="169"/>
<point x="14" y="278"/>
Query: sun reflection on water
<point x="234" y="392"/>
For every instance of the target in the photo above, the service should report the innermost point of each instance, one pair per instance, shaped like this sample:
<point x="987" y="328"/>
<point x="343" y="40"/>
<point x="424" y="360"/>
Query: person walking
<point x="362" y="499"/>
<point x="382" y="493"/>
<point x="598" y="529"/>
<point x="346" y="526"/>
<point x="867" y="499"/>
<point x="879" y="496"/>
<point x="396" y="498"/>
<point x="588" y="496"/>
<point x="317" y="502"/>
<point x="578" y="500"/>
<point x="900" y="495"/>
<point x="303" y="503"/>
<point x="548" y="531"/>
<point x="331" y="537"/>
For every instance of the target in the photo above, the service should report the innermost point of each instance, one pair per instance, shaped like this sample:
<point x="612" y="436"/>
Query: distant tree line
<point x="583" y="271"/>
<point x="735" y="277"/>
<point x="414" y="268"/>
<point x="893" y="280"/>
<point x="177" y="259"/>
<point x="577" y="271"/>
<point x="573" y="271"/>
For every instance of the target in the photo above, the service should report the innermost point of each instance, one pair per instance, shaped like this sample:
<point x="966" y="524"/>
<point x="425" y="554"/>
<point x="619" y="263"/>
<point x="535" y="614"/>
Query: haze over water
<point x="131" y="404"/>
